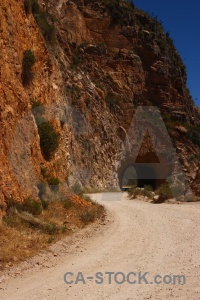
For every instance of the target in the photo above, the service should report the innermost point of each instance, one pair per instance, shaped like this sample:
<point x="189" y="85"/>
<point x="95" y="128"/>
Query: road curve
<point x="161" y="239"/>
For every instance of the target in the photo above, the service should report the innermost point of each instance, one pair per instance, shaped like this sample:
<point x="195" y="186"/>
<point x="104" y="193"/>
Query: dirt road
<point x="161" y="239"/>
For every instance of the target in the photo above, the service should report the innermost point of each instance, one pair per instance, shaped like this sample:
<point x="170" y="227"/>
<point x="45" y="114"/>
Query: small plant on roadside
<point x="77" y="189"/>
<point x="135" y="192"/>
<point x="49" y="227"/>
<point x="87" y="216"/>
<point x="148" y="188"/>
<point x="190" y="198"/>
<point x="131" y="191"/>
<point x="91" y="214"/>
<point x="164" y="192"/>
<point x="87" y="198"/>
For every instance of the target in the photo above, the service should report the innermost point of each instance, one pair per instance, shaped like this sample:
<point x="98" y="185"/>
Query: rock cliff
<point x="94" y="63"/>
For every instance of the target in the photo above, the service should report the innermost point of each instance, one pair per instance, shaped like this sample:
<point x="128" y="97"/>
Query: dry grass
<point x="23" y="234"/>
<point x="19" y="243"/>
<point x="91" y="214"/>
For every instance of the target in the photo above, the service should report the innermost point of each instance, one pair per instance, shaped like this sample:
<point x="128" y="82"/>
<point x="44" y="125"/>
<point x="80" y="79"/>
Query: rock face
<point x="95" y="62"/>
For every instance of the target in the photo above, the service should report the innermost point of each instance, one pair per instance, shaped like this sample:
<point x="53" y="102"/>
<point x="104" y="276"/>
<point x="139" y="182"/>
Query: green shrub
<point x="27" y="64"/>
<point x="11" y="202"/>
<point x="10" y="219"/>
<point x="111" y="101"/>
<point x="148" y="188"/>
<point x="42" y="189"/>
<point x="164" y="192"/>
<point x="135" y="192"/>
<point x="91" y="214"/>
<point x="162" y="45"/>
<point x="190" y="198"/>
<point x="47" y="29"/>
<point x="53" y="183"/>
<point x="87" y="216"/>
<point x="76" y="61"/>
<point x="49" y="139"/>
<point x="37" y="104"/>
<point x="86" y="198"/>
<point x="29" y="205"/>
<point x="135" y="102"/>
<point x="31" y="6"/>
<point x="45" y="204"/>
<point x="131" y="191"/>
<point x="50" y="228"/>
<point x="77" y="189"/>
<point x="44" y="172"/>
<point x="120" y="11"/>
<point x="178" y="189"/>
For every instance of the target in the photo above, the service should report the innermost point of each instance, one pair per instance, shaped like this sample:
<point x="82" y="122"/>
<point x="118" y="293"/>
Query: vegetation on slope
<point x="31" y="226"/>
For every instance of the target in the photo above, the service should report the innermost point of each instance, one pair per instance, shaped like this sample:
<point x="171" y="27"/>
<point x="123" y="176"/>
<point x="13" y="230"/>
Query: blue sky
<point x="182" y="20"/>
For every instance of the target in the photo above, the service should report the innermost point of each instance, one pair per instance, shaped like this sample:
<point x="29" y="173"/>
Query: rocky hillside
<point x="72" y="76"/>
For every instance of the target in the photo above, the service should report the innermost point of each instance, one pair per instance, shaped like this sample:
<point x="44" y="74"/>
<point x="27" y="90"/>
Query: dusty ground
<point x="137" y="236"/>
